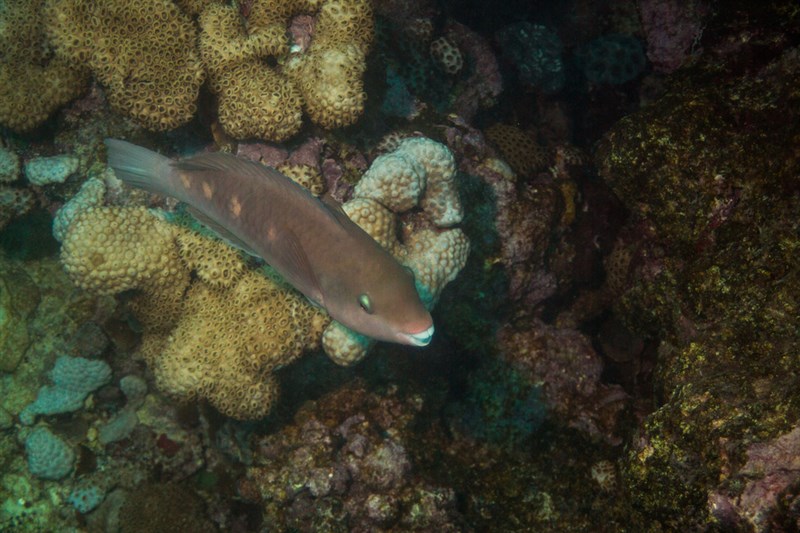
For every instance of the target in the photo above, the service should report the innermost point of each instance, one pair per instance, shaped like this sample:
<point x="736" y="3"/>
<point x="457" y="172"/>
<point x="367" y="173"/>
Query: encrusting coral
<point x="259" y="100"/>
<point x="215" y="328"/>
<point x="142" y="51"/>
<point x="33" y="82"/>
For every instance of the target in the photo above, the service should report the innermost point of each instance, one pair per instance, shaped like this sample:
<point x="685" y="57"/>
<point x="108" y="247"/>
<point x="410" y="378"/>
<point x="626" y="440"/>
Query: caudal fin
<point x="140" y="167"/>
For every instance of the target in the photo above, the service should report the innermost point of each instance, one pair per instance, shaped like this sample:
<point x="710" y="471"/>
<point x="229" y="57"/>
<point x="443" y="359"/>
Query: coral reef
<point x="214" y="328"/>
<point x="569" y="371"/>
<point x="142" y="52"/>
<point x="617" y="353"/>
<point x="34" y="82"/>
<point x="672" y="28"/>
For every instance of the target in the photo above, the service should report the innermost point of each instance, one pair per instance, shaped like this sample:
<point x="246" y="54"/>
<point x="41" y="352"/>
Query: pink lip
<point x="422" y="338"/>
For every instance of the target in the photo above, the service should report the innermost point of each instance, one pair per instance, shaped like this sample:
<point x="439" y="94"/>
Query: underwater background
<point x="600" y="202"/>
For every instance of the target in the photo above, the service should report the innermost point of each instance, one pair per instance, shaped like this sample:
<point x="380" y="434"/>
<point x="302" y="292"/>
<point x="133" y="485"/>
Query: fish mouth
<point x="423" y="338"/>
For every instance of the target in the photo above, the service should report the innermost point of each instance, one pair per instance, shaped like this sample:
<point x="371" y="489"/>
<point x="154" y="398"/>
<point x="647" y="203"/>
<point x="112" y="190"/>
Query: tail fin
<point x="140" y="167"/>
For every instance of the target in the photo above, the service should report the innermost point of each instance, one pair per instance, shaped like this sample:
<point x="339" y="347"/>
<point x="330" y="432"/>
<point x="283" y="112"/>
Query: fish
<point x="311" y="243"/>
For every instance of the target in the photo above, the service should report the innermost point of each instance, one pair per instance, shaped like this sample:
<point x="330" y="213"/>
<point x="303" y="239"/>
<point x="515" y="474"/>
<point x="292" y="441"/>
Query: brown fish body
<point x="320" y="251"/>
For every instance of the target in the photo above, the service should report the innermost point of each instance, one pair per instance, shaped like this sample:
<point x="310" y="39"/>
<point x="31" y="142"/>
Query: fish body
<point x="314" y="246"/>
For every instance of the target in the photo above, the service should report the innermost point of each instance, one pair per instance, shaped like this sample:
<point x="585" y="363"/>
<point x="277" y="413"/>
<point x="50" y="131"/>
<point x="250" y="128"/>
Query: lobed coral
<point x="33" y="82"/>
<point x="254" y="99"/>
<point x="9" y="165"/>
<point x="257" y="99"/>
<point x="142" y="51"/>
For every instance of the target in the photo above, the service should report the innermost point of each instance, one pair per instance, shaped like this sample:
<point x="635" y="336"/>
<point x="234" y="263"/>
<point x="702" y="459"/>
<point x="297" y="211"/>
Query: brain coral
<point x="217" y="329"/>
<point x="142" y="51"/>
<point x="33" y="82"/>
<point x="258" y="99"/>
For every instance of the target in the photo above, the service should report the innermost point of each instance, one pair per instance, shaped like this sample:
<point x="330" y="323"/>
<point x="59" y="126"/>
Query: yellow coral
<point x="329" y="74"/>
<point x="217" y="335"/>
<point x="257" y="99"/>
<point x="142" y="51"/>
<point x="107" y="251"/>
<point x="33" y="82"/>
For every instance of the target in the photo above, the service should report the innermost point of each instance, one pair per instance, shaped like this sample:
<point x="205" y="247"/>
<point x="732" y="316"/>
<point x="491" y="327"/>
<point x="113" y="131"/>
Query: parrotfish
<point x="310" y="242"/>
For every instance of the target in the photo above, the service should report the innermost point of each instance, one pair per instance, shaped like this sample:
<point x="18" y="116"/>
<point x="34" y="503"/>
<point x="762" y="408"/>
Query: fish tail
<point x="140" y="167"/>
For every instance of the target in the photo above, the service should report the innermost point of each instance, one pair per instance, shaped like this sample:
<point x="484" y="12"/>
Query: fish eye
<point x="365" y="303"/>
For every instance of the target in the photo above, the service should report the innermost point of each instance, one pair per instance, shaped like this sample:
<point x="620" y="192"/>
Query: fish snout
<point x="423" y="338"/>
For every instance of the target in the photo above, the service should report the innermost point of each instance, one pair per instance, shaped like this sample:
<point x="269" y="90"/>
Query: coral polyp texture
<point x="142" y="51"/>
<point x="33" y="82"/>
<point x="215" y="328"/>
<point x="258" y="99"/>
